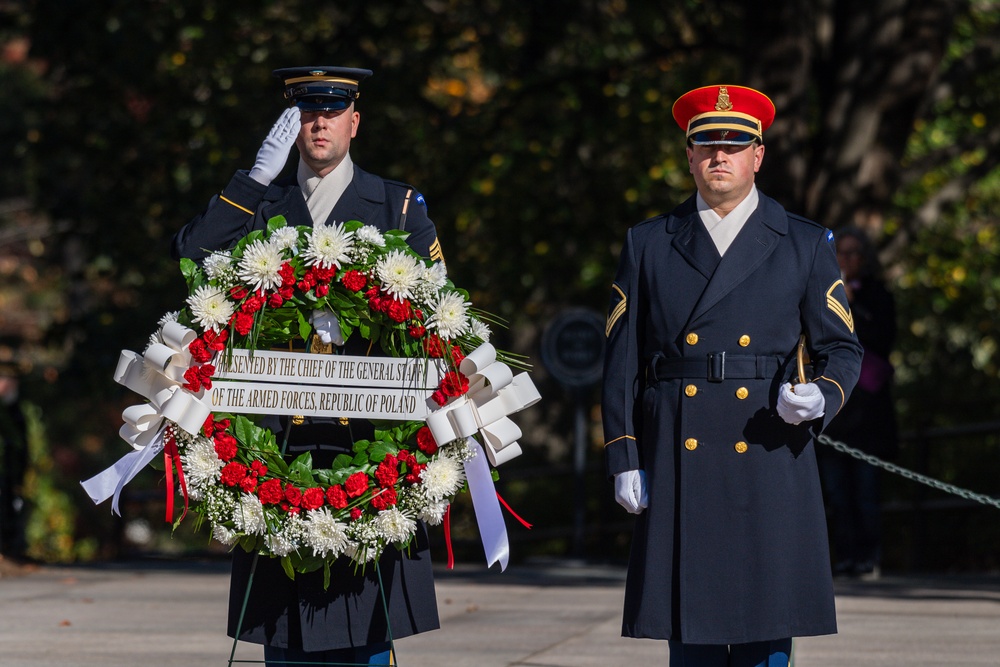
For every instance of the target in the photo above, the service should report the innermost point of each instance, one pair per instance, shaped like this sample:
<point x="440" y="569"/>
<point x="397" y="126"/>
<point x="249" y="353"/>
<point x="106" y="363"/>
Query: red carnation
<point x="385" y="499"/>
<point x="356" y="484"/>
<point x="417" y="330"/>
<point x="425" y="441"/>
<point x="434" y="346"/>
<point x="209" y="426"/>
<point x="293" y="495"/>
<point x="225" y="446"/>
<point x="233" y="473"/>
<point x="248" y="484"/>
<point x="387" y="472"/>
<point x="221" y="425"/>
<point x="198" y="351"/>
<point x="253" y="303"/>
<point x="322" y="290"/>
<point x="257" y="468"/>
<point x="454" y="383"/>
<point x="243" y="323"/>
<point x="270" y="492"/>
<point x="287" y="274"/>
<point x="398" y="311"/>
<point x="356" y="513"/>
<point x="413" y="477"/>
<point x="275" y="300"/>
<point x="457" y="355"/>
<point x="238" y="292"/>
<point x="313" y="498"/>
<point x="215" y="341"/>
<point x="337" y="497"/>
<point x="354" y="280"/>
<point x="325" y="274"/>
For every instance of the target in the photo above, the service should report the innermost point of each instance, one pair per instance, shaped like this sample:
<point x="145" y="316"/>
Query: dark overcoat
<point x="733" y="545"/>
<point x="299" y="613"/>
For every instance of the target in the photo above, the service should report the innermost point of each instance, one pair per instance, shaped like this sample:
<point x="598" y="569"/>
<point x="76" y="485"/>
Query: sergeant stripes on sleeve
<point x="838" y="308"/>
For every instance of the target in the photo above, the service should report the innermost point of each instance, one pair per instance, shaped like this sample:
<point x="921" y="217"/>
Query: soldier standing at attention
<point x="709" y="428"/>
<point x="298" y="621"/>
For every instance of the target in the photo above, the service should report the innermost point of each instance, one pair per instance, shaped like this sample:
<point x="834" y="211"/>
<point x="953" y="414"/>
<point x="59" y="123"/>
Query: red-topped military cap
<point x="734" y="115"/>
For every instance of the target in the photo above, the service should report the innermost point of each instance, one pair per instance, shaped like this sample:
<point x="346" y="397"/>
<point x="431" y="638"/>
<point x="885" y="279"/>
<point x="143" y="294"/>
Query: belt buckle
<point x="716" y="366"/>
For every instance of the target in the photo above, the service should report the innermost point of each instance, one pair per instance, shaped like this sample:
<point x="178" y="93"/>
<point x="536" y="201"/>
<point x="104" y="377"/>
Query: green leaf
<point x="275" y="223"/>
<point x="286" y="565"/>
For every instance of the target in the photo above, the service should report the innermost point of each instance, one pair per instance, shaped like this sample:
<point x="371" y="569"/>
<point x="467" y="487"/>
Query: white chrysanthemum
<point x="167" y="318"/>
<point x="248" y="516"/>
<point x="288" y="538"/>
<point x="285" y="238"/>
<point x="399" y="274"/>
<point x="442" y="477"/>
<point x="326" y="536"/>
<point x="362" y="552"/>
<point x="450" y="316"/>
<point x="394" y="526"/>
<point x="370" y="234"/>
<point x="224" y="535"/>
<point x="259" y="266"/>
<point x="433" y="512"/>
<point x="329" y="245"/>
<point x="218" y="264"/>
<point x="210" y="307"/>
<point x="436" y="274"/>
<point x="479" y="329"/>
<point x="201" y="466"/>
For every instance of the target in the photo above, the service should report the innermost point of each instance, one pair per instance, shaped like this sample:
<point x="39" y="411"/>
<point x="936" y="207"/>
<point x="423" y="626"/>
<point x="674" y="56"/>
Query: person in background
<point x="297" y="621"/>
<point x="868" y="420"/>
<point x="709" y="428"/>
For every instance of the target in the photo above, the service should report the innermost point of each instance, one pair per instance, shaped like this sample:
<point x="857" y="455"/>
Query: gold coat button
<point x="744" y="340"/>
<point x="691" y="444"/>
<point x="740" y="447"/>
<point x="690" y="390"/>
<point x="692" y="338"/>
<point x="742" y="393"/>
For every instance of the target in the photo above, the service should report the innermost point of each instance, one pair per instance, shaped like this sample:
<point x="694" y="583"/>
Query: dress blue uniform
<point x="299" y="614"/>
<point x="732" y="548"/>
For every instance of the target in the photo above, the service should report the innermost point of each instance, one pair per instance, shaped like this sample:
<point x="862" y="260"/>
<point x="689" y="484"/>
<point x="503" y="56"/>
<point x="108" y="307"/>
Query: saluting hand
<point x="273" y="153"/>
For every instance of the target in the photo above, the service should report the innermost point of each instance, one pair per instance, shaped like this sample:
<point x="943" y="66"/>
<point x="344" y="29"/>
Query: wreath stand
<point x="246" y="600"/>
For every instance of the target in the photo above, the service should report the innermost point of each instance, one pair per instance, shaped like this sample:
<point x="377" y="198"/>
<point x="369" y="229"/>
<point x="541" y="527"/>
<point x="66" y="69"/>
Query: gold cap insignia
<point x="723" y="103"/>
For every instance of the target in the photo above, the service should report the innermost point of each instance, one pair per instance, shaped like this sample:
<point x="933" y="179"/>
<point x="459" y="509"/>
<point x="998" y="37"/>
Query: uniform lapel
<point x="754" y="244"/>
<point x="692" y="242"/>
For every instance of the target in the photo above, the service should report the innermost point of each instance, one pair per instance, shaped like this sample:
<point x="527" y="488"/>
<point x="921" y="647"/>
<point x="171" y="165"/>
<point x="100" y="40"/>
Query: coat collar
<point x="751" y="247"/>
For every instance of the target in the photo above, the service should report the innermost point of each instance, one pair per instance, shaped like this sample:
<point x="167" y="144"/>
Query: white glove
<point x="803" y="402"/>
<point x="327" y="326"/>
<point x="631" y="492"/>
<point x="273" y="153"/>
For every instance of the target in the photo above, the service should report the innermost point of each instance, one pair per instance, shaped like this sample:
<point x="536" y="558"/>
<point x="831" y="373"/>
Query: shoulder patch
<point x="421" y="201"/>
<point x="829" y="236"/>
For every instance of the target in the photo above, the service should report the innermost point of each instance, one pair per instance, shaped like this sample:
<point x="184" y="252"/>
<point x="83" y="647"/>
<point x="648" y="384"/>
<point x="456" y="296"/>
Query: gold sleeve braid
<point x="617" y="311"/>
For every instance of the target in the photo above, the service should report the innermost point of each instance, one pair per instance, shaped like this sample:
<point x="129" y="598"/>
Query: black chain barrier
<point x="909" y="474"/>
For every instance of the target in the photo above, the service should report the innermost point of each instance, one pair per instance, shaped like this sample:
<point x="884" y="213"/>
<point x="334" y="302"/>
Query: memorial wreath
<point x="284" y="284"/>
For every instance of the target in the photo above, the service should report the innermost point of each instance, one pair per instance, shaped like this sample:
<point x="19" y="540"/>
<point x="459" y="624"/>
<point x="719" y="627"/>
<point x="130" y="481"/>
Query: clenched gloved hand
<point x="327" y="326"/>
<point x="273" y="153"/>
<point x="630" y="490"/>
<point x="803" y="402"/>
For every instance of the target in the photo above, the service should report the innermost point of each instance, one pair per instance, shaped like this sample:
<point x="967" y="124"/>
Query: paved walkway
<point x="546" y="615"/>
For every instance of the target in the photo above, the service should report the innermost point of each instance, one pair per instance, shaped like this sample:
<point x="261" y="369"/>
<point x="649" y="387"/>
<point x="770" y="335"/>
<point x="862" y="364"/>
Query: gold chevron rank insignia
<point x="617" y="309"/>
<point x="841" y="310"/>
<point x="435" y="250"/>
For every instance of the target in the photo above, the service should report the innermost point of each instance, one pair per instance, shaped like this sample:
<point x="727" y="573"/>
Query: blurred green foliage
<point x="538" y="132"/>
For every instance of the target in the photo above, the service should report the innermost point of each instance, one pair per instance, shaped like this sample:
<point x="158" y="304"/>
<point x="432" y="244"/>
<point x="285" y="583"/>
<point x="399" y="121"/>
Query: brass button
<point x="690" y="390"/>
<point x="742" y="393"/>
<point x="744" y="340"/>
<point x="692" y="338"/>
<point x="298" y="420"/>
<point x="740" y="447"/>
<point x="691" y="444"/>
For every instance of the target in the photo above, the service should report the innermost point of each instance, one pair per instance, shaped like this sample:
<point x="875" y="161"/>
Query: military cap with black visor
<point x="321" y="88"/>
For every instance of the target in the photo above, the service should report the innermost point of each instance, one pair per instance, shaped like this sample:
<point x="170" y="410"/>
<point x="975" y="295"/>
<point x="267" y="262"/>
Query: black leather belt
<point x="714" y="367"/>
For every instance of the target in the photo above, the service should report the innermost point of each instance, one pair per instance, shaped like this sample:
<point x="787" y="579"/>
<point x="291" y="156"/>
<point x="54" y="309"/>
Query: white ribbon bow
<point x="157" y="375"/>
<point x="494" y="392"/>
